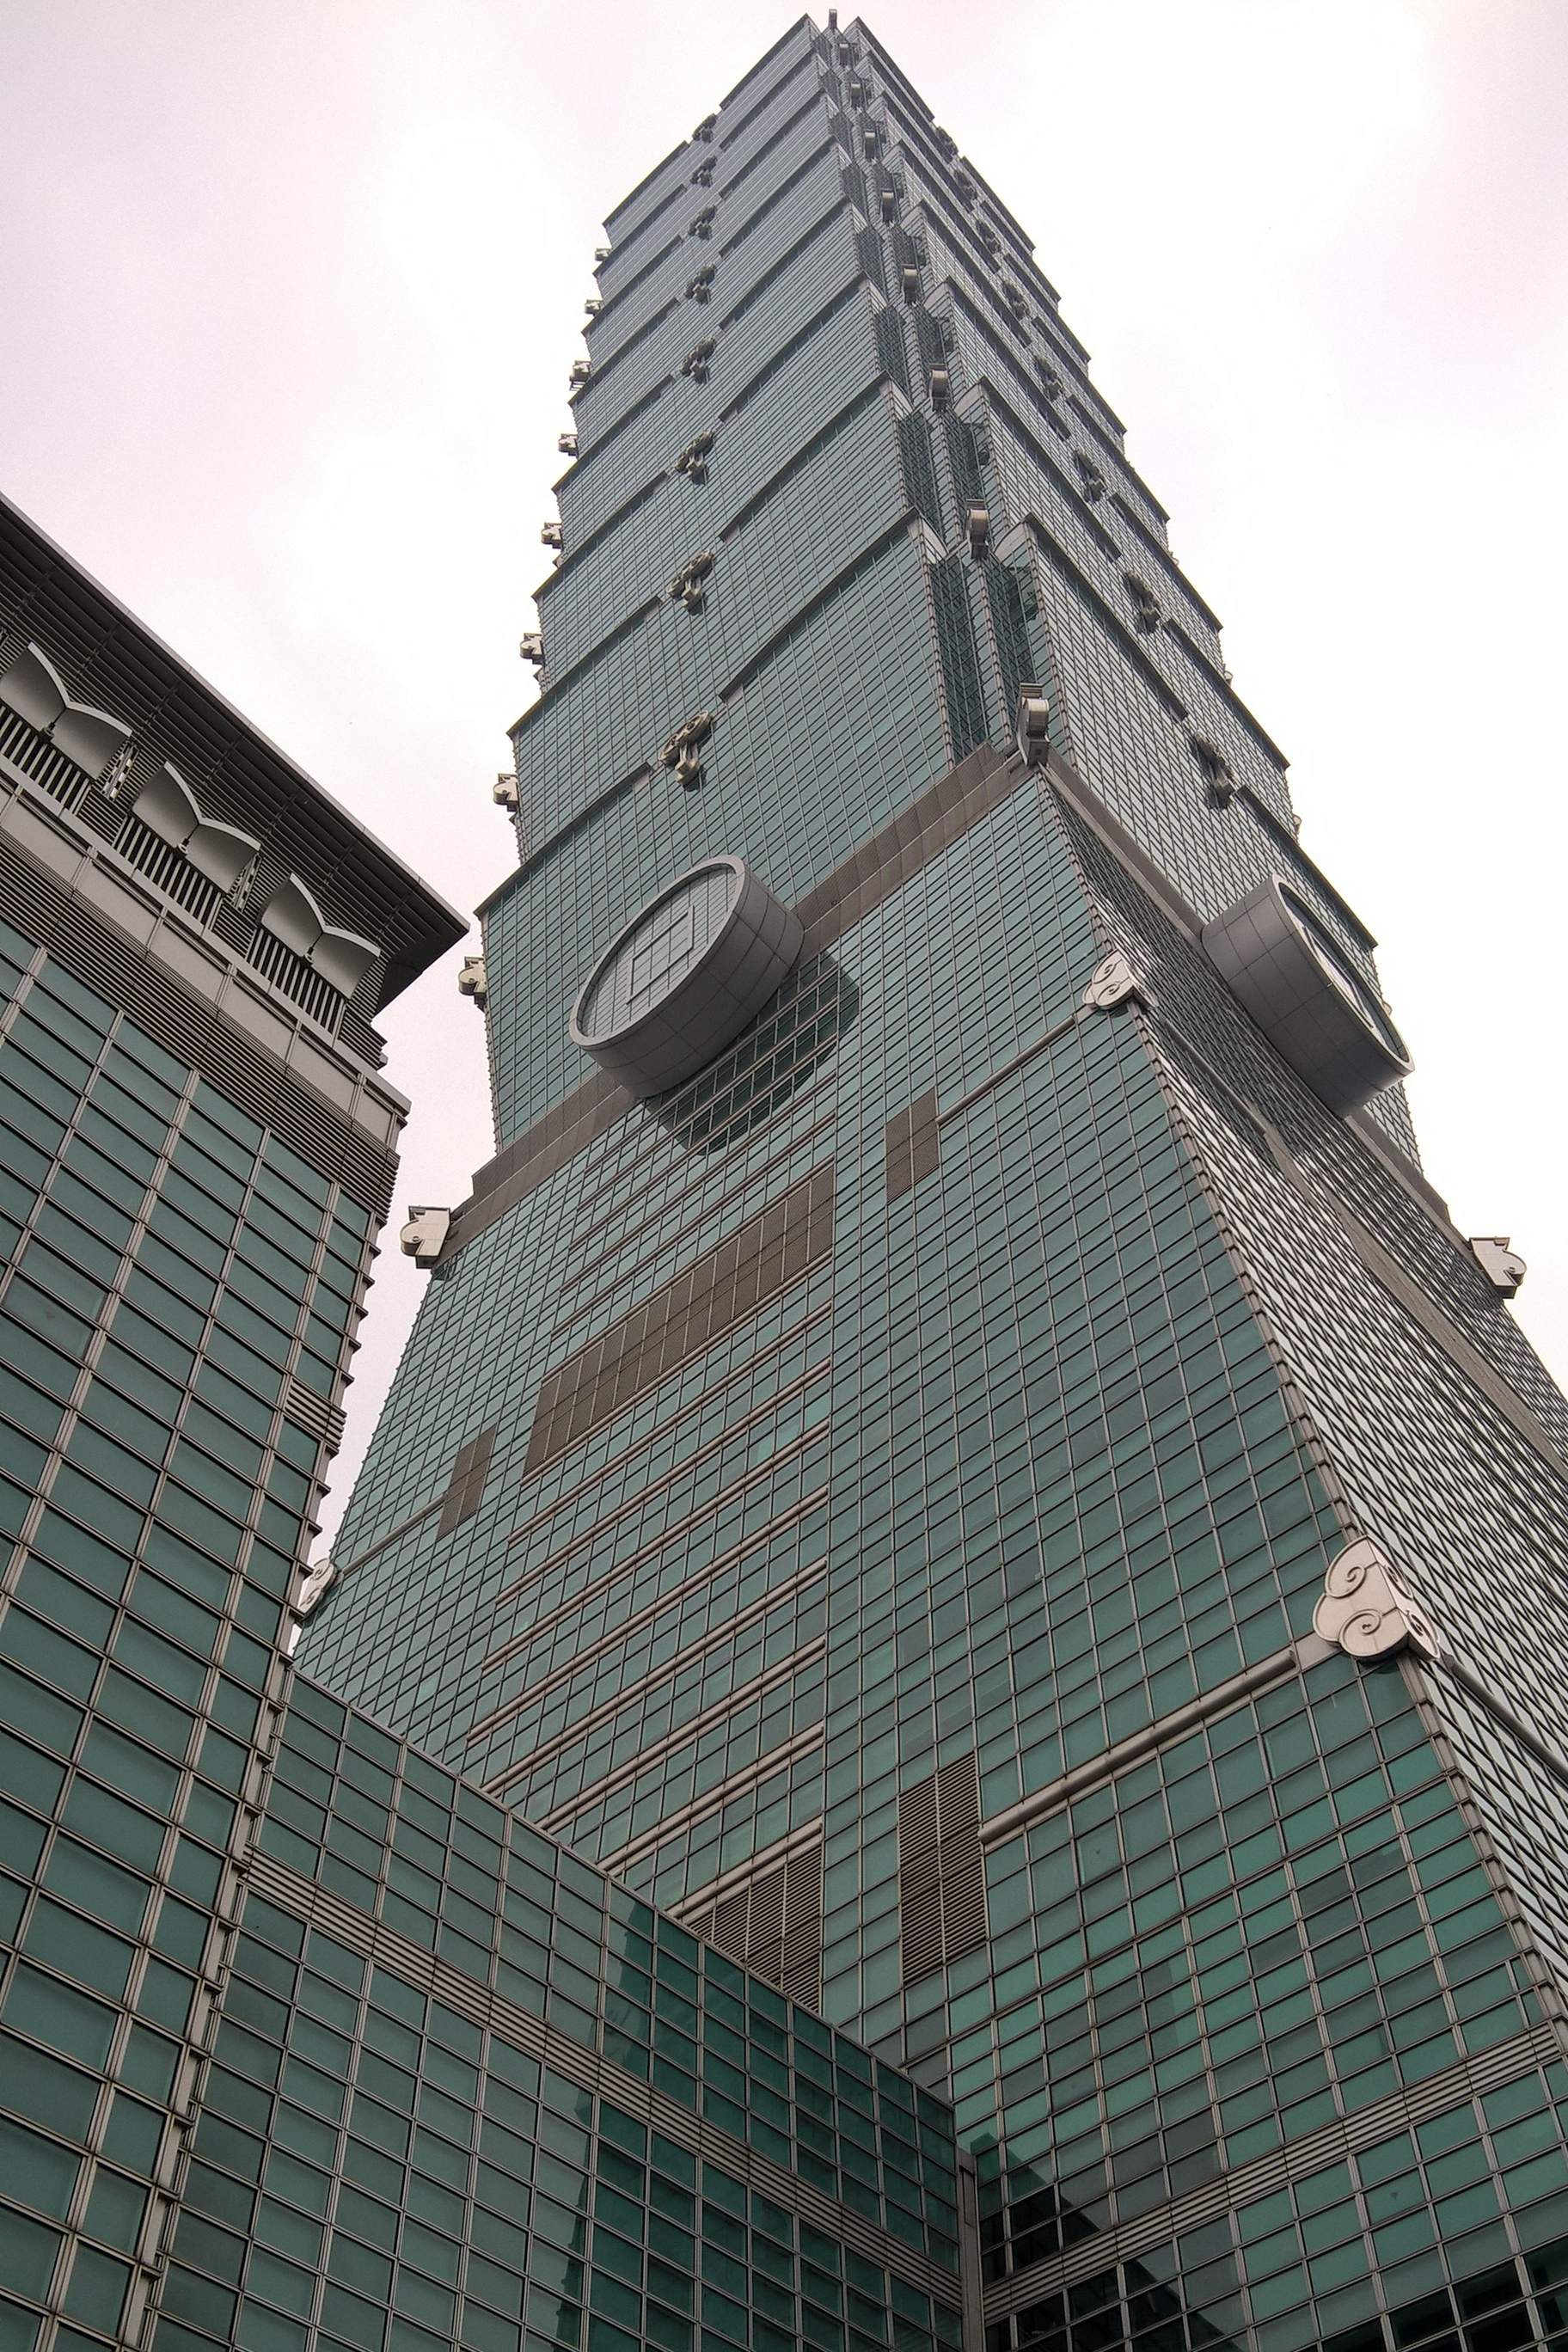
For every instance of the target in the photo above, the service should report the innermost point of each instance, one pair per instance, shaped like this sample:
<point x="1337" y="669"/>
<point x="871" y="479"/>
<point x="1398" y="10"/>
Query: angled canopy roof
<point x="106" y="674"/>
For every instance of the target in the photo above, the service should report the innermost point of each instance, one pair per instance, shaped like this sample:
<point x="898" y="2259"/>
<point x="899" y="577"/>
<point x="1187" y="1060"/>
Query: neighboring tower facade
<point x="953" y="1445"/>
<point x="197" y="1148"/>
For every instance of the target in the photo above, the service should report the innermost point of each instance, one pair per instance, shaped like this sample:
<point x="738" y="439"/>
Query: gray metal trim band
<point x="1277" y="1667"/>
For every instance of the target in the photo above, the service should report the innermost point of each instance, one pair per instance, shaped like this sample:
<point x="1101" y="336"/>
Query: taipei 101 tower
<point x="953" y="1455"/>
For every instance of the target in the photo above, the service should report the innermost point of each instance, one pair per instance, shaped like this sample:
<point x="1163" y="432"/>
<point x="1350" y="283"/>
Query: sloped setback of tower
<point x="1442" y="1433"/>
<point x="1278" y="1934"/>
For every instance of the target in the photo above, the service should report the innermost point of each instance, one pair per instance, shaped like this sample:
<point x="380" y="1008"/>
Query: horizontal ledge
<point x="1277" y="1667"/>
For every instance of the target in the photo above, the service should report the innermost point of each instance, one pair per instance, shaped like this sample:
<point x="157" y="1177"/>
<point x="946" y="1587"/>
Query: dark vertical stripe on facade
<point x="965" y="460"/>
<point x="941" y="1876"/>
<point x="1004" y="592"/>
<point x="913" y="1144"/>
<point x="959" y="657"/>
<point x="891" y="349"/>
<point x="933" y="343"/>
<point x="467" y="1484"/>
<point x="919" y="470"/>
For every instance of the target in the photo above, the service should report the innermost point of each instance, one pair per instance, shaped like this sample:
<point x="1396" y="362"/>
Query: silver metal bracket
<point x="424" y="1236"/>
<point x="319" y="1579"/>
<point x="1368" y="1610"/>
<point x="1111" y="982"/>
<point x="1503" y="1267"/>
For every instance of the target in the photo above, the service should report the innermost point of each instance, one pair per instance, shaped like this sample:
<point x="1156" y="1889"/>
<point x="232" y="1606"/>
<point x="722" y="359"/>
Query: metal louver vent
<point x="719" y="1290"/>
<point x="38" y="758"/>
<point x="941" y="1876"/>
<point x="772" y="1925"/>
<point x="465" y="1488"/>
<point x="294" y="978"/>
<point x="323" y="1421"/>
<point x="169" y="868"/>
<point x="258" y="1082"/>
<point x="913" y="1146"/>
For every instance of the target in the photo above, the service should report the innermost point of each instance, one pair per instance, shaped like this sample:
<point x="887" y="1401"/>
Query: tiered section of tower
<point x="841" y="483"/>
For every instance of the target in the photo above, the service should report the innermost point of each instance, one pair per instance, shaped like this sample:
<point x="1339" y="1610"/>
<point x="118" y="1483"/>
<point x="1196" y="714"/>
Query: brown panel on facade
<point x="925" y="1140"/>
<point x="468" y="1482"/>
<point x="761" y="1258"/>
<point x="920" y="1882"/>
<point x="941" y="1872"/>
<point x="772" y="1925"/>
<point x="900" y="1158"/>
<point x="964" y="1925"/>
<point x="800" y="1971"/>
<point x="914" y="1146"/>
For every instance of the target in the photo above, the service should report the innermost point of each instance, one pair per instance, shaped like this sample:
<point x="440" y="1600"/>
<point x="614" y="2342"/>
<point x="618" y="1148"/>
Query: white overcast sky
<point x="294" y="286"/>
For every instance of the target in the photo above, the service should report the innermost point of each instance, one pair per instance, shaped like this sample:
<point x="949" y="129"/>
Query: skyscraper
<point x="953" y="1449"/>
<point x="197" y="1146"/>
<point x="953" y="1445"/>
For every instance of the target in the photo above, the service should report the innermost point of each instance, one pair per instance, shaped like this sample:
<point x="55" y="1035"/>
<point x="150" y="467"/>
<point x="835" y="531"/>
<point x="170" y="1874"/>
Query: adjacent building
<point x="197" y="1146"/>
<point x="467" y="2090"/>
<point x="952" y="1448"/>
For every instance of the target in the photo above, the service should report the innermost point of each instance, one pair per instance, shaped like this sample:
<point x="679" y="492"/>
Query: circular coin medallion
<point x="685" y="976"/>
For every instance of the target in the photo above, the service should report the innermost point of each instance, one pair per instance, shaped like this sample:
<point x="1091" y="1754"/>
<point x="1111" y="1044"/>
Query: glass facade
<point x="180" y="1284"/>
<point x="828" y="1795"/>
<point x="464" y="2080"/>
<point x="196" y="1158"/>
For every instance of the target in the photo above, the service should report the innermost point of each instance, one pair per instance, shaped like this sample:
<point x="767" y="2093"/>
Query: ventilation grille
<point x="322" y="1421"/>
<point x="362" y="1038"/>
<point x="206" y="903"/>
<point x="913" y="1146"/>
<point x="38" y="758"/>
<point x="168" y="868"/>
<point x="293" y="977"/>
<point x="942" y="1876"/>
<point x="772" y="1925"/>
<point x="172" y="873"/>
<point x="103" y="959"/>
